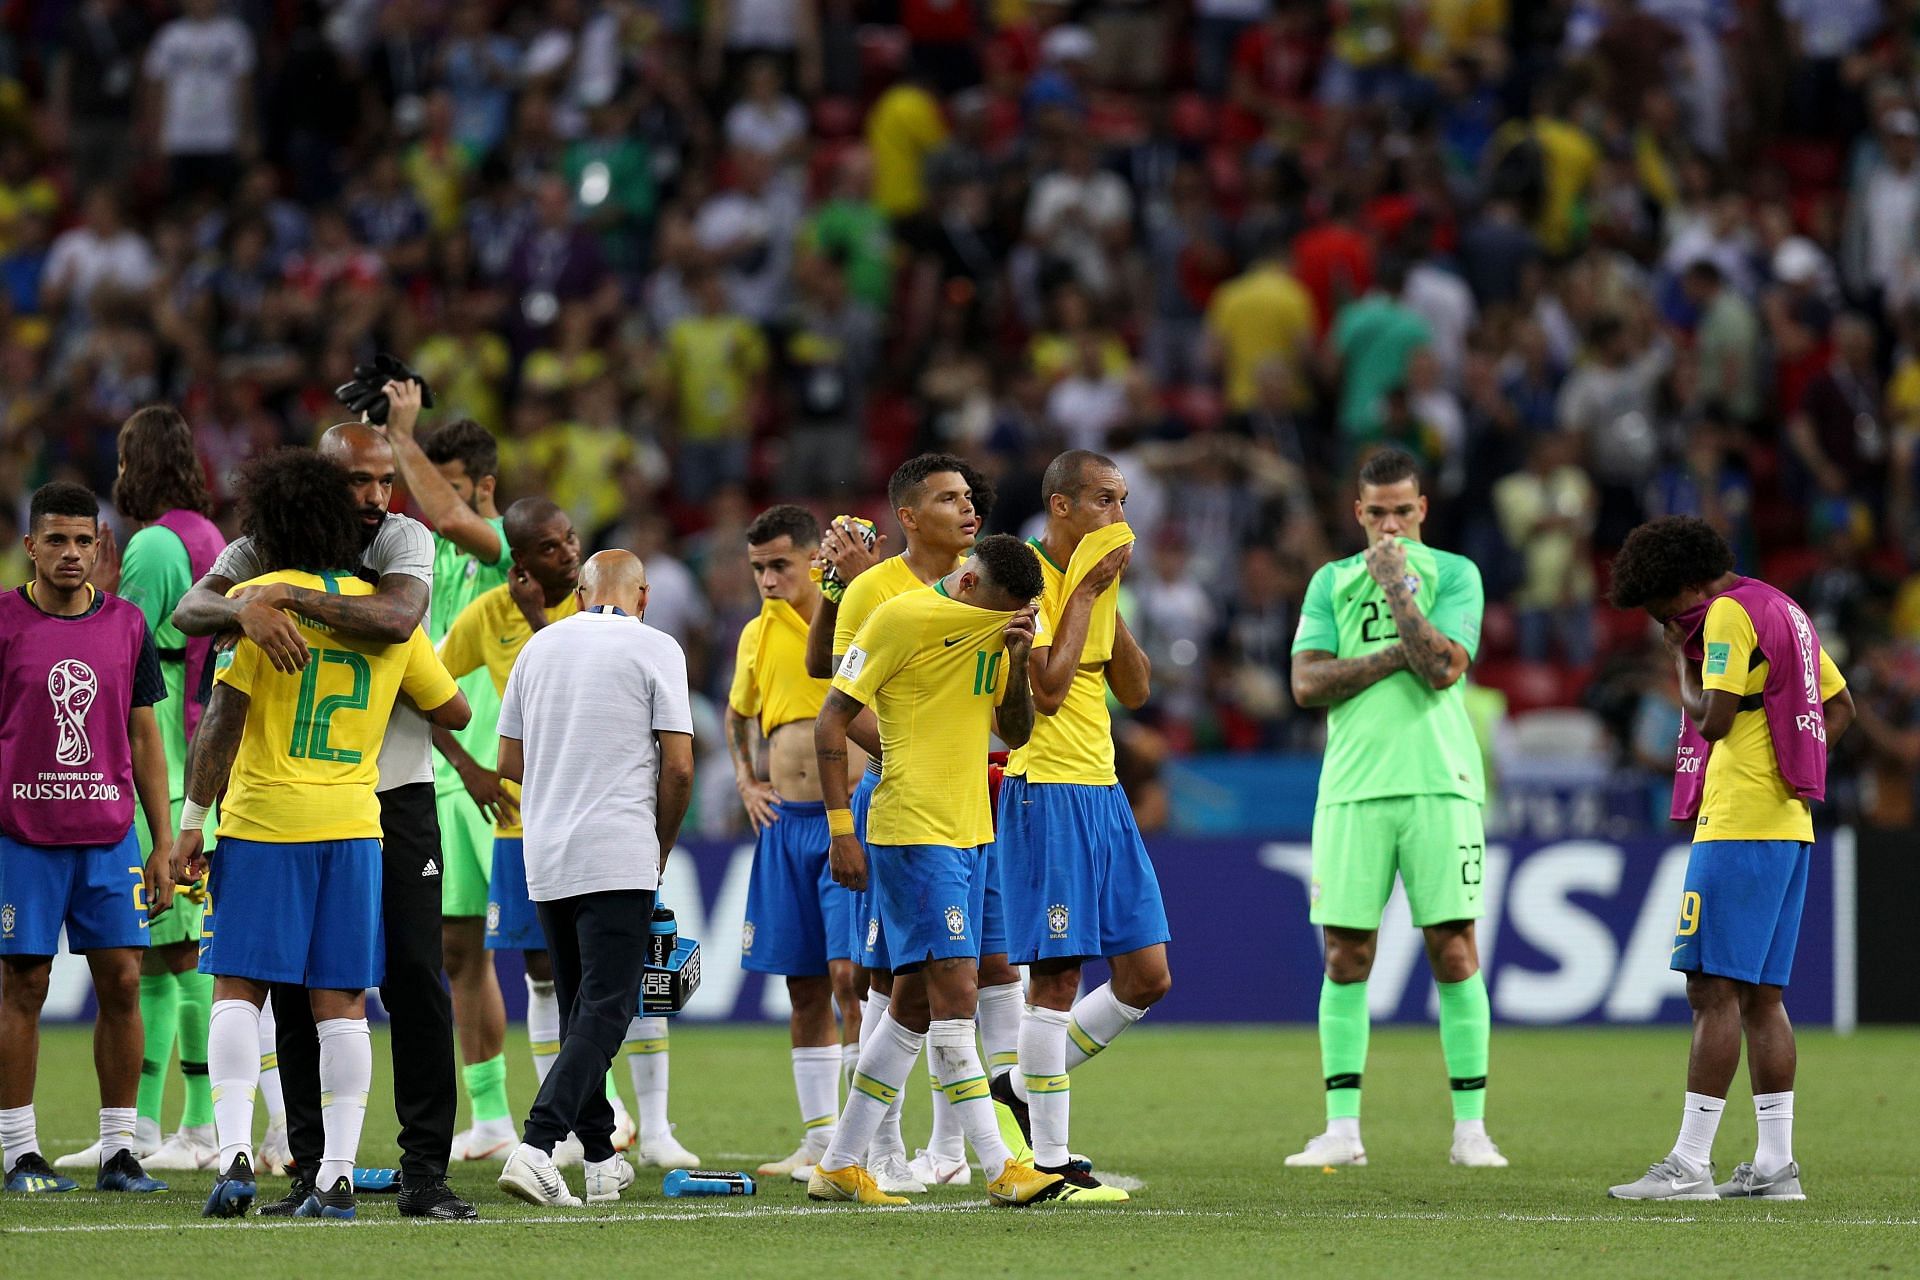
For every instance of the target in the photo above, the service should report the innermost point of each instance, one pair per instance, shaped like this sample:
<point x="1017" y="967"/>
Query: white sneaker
<point x="806" y="1155"/>
<point x="273" y="1156"/>
<point x="146" y="1141"/>
<point x="606" y="1179"/>
<point x="530" y="1175"/>
<point x="936" y="1170"/>
<point x="1476" y="1151"/>
<point x="665" y="1152"/>
<point x="1671" y="1179"/>
<point x="569" y="1152"/>
<point x="625" y="1131"/>
<point x="186" y="1150"/>
<point x="802" y="1174"/>
<point x="1328" y="1150"/>
<point x="489" y="1140"/>
<point x="893" y="1176"/>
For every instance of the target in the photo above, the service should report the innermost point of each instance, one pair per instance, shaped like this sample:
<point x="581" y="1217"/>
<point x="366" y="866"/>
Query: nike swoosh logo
<point x="1677" y="950"/>
<point x="1770" y="1106"/>
<point x="950" y="643"/>
<point x="507" y="639"/>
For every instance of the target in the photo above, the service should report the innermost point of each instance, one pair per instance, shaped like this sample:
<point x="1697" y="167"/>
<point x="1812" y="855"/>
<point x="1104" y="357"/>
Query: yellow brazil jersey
<point x="933" y="669"/>
<point x="770" y="677"/>
<point x="1744" y="796"/>
<point x="1075" y="743"/>
<point x="308" y="758"/>
<point x="490" y="633"/>
<point x="889" y="578"/>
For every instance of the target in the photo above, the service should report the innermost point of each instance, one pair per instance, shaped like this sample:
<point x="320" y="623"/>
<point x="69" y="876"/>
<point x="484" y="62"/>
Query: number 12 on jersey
<point x="313" y="719"/>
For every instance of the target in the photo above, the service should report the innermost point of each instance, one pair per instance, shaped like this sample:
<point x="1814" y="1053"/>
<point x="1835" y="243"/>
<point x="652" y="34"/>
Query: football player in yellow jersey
<point x="798" y="920"/>
<point x="1762" y="703"/>
<point x="296" y="880"/>
<point x="1076" y="874"/>
<point x="940" y="669"/>
<point x="941" y="503"/>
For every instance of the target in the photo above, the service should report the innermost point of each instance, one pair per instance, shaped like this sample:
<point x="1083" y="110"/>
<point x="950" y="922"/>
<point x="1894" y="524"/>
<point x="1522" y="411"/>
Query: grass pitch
<point x="1202" y="1117"/>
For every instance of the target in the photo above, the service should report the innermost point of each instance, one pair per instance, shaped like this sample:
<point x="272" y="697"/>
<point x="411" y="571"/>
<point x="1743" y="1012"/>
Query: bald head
<point x="617" y="578"/>
<point x="366" y="456"/>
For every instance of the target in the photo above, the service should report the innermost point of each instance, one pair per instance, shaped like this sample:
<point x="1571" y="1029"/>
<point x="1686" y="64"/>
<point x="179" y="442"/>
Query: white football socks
<point x="233" y="1071"/>
<point x="647" y="1063"/>
<point x="18" y="1135"/>
<point x="543" y="1027"/>
<point x="1098" y="1017"/>
<point x="887" y="1139"/>
<point x="955" y="1057"/>
<point x="816" y="1084"/>
<point x="346" y="1074"/>
<point x="1043" y="1062"/>
<point x="116" y="1130"/>
<point x="999" y="1014"/>
<point x="1698" y="1123"/>
<point x="885" y="1063"/>
<point x="270" y="1092"/>
<point x="1773" y="1112"/>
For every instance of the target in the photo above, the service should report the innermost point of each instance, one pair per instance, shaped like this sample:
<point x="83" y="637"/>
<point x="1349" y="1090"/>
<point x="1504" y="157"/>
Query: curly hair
<point x="1664" y="557"/>
<point x="61" y="498"/>
<point x="296" y="507"/>
<point x="468" y="442"/>
<point x="161" y="472"/>
<point x="785" y="520"/>
<point x="1011" y="564"/>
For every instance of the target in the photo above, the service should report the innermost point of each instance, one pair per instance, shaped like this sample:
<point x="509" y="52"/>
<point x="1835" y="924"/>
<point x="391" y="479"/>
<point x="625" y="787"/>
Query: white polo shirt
<point x="585" y="700"/>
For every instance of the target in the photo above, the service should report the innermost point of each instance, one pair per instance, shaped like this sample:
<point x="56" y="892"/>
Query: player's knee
<point x="996" y="972"/>
<point x="24" y="987"/>
<point x="1349" y="964"/>
<point x="1709" y="994"/>
<point x="117" y="991"/>
<point x="809" y="996"/>
<point x="1144" y="990"/>
<point x="1055" y="988"/>
<point x="539" y="966"/>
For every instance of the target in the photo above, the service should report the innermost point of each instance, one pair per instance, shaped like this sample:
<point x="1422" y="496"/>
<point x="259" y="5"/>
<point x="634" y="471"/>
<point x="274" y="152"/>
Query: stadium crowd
<point x="1592" y="260"/>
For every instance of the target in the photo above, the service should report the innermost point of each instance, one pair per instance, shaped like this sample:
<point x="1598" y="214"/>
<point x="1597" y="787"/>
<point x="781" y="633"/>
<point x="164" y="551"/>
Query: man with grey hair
<point x="596" y="724"/>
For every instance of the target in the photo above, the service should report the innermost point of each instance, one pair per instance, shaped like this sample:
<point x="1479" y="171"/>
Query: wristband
<point x="192" y="816"/>
<point x="839" y="822"/>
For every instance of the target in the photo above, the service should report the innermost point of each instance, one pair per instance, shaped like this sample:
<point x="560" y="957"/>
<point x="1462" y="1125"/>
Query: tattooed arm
<point x="208" y="763"/>
<point x="1429" y="654"/>
<point x="1320" y="679"/>
<point x="1013" y="718"/>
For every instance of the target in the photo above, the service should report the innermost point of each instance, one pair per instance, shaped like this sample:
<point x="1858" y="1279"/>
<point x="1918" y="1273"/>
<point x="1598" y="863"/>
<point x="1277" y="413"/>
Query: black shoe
<point x="288" y="1205"/>
<point x="1002" y="1091"/>
<point x="337" y="1204"/>
<point x="433" y="1198"/>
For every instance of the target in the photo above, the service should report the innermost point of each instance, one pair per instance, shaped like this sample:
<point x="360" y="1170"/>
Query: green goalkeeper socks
<point x="1465" y="1024"/>
<point x="487" y="1088"/>
<point x="196" y="1016"/>
<point x="160" y="1014"/>
<point x="1344" y="1028"/>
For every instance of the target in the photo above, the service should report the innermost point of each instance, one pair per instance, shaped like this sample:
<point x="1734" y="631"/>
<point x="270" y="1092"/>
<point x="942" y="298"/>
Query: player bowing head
<point x="781" y="543"/>
<point x="1670" y="566"/>
<point x="546" y="550"/>
<point x="1001" y="575"/>
<point x="302" y="511"/>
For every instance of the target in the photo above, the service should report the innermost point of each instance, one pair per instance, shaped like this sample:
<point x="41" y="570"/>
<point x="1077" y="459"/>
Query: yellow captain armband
<point x="839" y="822"/>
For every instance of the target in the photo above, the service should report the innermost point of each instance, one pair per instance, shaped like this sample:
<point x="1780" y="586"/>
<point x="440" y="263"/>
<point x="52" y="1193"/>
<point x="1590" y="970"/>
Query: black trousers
<point x="598" y="943"/>
<point x="425" y="1096"/>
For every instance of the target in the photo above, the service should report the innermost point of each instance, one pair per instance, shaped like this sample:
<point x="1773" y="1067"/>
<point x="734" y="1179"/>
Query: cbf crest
<point x="7" y="919"/>
<point x="1057" y="921"/>
<point x="956" y="922"/>
<point x="493" y="917"/>
<point x="873" y="932"/>
<point x="746" y="938"/>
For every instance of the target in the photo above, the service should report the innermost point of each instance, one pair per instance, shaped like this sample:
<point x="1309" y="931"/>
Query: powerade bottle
<point x="706" y="1182"/>
<point x="662" y="937"/>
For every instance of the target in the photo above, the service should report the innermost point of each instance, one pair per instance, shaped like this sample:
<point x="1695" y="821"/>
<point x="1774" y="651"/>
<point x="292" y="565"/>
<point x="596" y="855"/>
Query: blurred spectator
<point x="825" y="347"/>
<point x="1080" y="215"/>
<point x="708" y="379"/>
<point x="1883" y="215"/>
<point x="1547" y="513"/>
<point x="1837" y="431"/>
<point x="200" y="66"/>
<point x="102" y="256"/>
<point x="904" y="128"/>
<point x="1372" y="340"/>
<point x="1262" y="317"/>
<point x="1726" y="342"/>
<point x="92" y="89"/>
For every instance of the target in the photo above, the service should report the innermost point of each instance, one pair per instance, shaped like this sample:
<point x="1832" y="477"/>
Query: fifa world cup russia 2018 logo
<point x="72" y="686"/>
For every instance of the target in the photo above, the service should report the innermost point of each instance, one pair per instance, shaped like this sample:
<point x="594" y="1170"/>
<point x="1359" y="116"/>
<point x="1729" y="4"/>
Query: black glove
<point x="366" y="395"/>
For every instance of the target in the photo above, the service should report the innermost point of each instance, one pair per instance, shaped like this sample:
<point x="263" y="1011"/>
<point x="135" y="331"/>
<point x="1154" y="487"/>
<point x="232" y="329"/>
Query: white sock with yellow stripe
<point x="346" y="1076"/>
<point x="270" y="1092"/>
<point x="999" y="1019"/>
<point x="1098" y="1017"/>
<point x="885" y="1063"/>
<point x="543" y="1027"/>
<point x="646" y="1048"/>
<point x="1043" y="1061"/>
<point x="956" y="1063"/>
<point x="887" y="1138"/>
<point x="816" y="1083"/>
<point x="233" y="1071"/>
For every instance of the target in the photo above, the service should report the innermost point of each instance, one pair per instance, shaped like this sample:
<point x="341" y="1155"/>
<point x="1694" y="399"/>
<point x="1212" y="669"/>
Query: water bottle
<point x="662" y="937"/>
<point x="706" y="1182"/>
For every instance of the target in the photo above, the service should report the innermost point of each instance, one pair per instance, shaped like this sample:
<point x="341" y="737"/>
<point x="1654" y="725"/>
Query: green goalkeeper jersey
<point x="459" y="578"/>
<point x="1399" y="737"/>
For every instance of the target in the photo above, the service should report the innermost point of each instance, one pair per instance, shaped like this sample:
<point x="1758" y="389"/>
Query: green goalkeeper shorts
<point x="1436" y="843"/>
<point x="181" y="922"/>
<point x="466" y="855"/>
